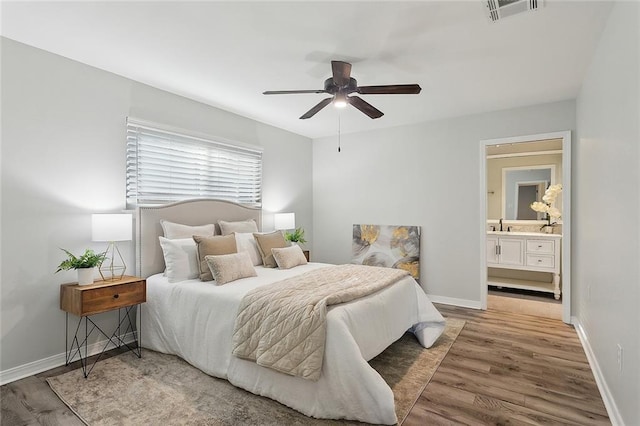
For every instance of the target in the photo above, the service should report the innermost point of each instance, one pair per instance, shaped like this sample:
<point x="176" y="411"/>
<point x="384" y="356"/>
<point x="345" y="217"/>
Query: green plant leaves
<point x="89" y="259"/>
<point x="296" y="236"/>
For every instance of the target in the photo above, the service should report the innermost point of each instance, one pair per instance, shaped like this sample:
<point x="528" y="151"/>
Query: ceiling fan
<point x="342" y="85"/>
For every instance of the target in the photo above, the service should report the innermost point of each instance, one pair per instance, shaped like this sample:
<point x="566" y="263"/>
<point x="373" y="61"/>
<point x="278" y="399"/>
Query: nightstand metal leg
<point x="115" y="340"/>
<point x="66" y="337"/>
<point x="127" y="320"/>
<point x="74" y="343"/>
<point x="118" y="330"/>
<point x="86" y="349"/>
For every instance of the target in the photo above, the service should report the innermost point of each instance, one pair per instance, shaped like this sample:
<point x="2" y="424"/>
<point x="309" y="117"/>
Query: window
<point x="165" y="166"/>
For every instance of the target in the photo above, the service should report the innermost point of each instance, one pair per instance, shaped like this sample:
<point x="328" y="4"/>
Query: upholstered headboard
<point x="149" y="259"/>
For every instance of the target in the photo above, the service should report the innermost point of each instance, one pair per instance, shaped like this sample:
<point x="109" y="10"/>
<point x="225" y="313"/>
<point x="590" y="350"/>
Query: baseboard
<point x="607" y="398"/>
<point x="35" y="367"/>
<point x="464" y="303"/>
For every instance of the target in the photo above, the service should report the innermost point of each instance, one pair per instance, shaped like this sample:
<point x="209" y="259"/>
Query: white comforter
<point x="195" y="320"/>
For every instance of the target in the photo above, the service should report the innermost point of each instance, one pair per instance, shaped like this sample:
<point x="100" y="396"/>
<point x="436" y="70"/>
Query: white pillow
<point x="175" y="231"/>
<point x="288" y="257"/>
<point x="243" y="226"/>
<point x="180" y="259"/>
<point x="246" y="242"/>
<point x="230" y="267"/>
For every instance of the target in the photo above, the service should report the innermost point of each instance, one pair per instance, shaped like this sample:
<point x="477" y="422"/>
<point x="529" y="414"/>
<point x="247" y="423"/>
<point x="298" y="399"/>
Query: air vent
<point x="500" y="9"/>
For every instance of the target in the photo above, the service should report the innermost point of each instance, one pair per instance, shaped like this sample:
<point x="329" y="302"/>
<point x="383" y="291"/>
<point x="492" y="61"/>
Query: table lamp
<point x="284" y="221"/>
<point x="112" y="228"/>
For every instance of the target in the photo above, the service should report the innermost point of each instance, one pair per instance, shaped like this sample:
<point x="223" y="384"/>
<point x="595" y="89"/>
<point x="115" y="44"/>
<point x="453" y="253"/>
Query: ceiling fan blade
<point x="390" y="89"/>
<point x="288" y="92"/>
<point x="365" y="107"/>
<point x="323" y="103"/>
<point x="341" y="73"/>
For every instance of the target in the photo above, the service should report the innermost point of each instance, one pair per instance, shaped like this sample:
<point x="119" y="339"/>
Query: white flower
<point x="540" y="207"/>
<point x="549" y="197"/>
<point x="552" y="193"/>
<point x="554" y="212"/>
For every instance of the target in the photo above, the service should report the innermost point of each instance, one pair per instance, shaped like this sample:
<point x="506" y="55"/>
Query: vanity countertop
<point x="524" y="234"/>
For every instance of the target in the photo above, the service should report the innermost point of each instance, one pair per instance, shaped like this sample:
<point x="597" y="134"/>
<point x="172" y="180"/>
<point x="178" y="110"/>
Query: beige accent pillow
<point x="288" y="257"/>
<point x="269" y="241"/>
<point x="212" y="246"/>
<point x="243" y="226"/>
<point x="230" y="267"/>
<point x="174" y="231"/>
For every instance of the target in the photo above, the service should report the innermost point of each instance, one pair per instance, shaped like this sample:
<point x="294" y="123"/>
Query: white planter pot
<point x="85" y="276"/>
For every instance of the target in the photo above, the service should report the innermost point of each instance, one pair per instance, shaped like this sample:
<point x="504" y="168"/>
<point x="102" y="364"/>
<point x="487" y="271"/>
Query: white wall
<point x="606" y="195"/>
<point x="426" y="175"/>
<point x="63" y="158"/>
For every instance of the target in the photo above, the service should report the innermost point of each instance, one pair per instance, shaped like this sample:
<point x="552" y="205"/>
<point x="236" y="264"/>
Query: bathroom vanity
<point x="525" y="251"/>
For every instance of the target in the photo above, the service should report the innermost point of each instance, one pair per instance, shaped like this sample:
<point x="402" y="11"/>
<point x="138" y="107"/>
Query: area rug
<point x="164" y="389"/>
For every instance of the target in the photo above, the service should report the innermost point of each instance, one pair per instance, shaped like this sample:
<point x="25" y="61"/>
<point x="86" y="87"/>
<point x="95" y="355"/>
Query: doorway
<point x="511" y="204"/>
<point x="528" y="192"/>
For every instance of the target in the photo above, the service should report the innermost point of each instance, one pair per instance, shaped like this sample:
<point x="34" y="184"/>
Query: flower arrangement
<point x="546" y="205"/>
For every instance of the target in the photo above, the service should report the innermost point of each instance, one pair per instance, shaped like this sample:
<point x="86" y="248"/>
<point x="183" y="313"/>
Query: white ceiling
<point x="227" y="53"/>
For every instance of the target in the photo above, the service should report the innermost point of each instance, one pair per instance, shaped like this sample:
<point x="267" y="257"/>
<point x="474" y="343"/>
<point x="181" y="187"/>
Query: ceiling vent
<point x="500" y="9"/>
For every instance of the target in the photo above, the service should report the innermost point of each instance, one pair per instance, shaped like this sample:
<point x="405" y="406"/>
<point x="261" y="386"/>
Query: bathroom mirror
<point x="518" y="174"/>
<point x="521" y="186"/>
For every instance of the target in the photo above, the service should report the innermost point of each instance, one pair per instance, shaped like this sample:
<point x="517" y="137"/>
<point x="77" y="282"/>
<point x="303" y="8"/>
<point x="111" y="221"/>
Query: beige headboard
<point x="149" y="259"/>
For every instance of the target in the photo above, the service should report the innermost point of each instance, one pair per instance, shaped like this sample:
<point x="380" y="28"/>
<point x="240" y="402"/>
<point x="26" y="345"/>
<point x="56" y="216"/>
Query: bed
<point x="195" y="321"/>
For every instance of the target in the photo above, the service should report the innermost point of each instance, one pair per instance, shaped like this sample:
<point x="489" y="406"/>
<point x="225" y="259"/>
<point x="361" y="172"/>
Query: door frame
<point x="539" y="185"/>
<point x="566" y="212"/>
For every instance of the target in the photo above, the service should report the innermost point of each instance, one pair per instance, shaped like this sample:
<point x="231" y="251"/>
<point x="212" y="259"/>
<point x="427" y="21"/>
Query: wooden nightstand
<point x="101" y="296"/>
<point x="306" y="254"/>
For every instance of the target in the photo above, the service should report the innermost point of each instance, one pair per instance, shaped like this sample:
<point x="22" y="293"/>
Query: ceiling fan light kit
<point x="340" y="101"/>
<point x="341" y="86"/>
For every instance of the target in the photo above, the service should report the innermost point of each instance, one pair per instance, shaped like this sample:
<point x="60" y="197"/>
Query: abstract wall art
<point x="387" y="245"/>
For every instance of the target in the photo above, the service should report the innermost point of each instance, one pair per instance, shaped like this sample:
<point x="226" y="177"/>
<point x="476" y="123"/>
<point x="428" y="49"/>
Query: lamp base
<point x="112" y="267"/>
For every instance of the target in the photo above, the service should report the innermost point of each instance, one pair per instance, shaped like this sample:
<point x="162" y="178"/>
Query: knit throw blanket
<point x="283" y="325"/>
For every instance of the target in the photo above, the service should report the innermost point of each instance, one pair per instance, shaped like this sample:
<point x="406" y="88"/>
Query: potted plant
<point x="295" y="237"/>
<point x="84" y="264"/>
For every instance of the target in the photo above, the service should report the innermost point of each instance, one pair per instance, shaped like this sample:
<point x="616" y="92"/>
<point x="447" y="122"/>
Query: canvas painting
<point x="387" y="245"/>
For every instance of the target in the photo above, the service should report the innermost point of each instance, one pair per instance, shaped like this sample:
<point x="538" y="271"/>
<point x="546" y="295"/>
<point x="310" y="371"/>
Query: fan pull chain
<point x="338" y="132"/>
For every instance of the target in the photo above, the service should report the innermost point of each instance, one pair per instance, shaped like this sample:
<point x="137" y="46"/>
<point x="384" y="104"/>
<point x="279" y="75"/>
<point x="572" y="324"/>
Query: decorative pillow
<point x="242" y="226"/>
<point x="288" y="257"/>
<point x="180" y="259"/>
<point x="230" y="267"/>
<point x="266" y="242"/>
<point x="246" y="242"/>
<point x="174" y="231"/>
<point x="212" y="246"/>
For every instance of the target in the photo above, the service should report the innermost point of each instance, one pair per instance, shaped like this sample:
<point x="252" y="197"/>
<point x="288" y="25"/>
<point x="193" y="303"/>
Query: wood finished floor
<point x="504" y="369"/>
<point x="511" y="369"/>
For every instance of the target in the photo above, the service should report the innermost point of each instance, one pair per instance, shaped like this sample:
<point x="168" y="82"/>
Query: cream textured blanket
<point x="283" y="326"/>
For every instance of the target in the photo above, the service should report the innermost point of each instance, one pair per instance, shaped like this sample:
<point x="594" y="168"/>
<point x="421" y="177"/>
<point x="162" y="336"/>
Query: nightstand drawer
<point x="112" y="297"/>
<point x="102" y="296"/>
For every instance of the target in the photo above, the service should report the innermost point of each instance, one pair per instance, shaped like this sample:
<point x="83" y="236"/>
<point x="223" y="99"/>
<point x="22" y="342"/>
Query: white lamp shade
<point x="284" y="221"/>
<point x="111" y="227"/>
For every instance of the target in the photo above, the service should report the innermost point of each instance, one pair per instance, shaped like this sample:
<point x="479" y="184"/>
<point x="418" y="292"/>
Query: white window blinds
<point x="165" y="166"/>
